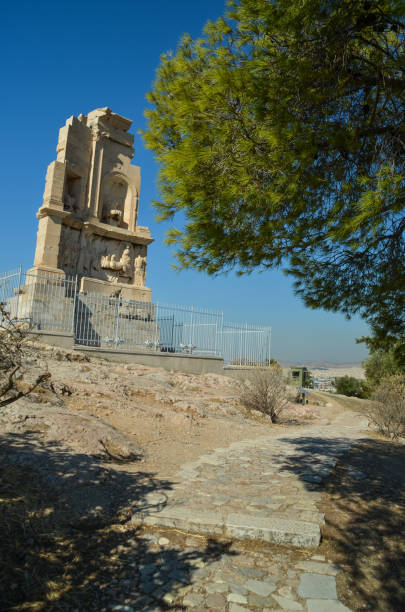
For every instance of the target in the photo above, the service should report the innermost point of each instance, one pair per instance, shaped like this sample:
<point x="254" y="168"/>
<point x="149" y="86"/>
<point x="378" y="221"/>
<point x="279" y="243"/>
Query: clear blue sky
<point x="66" y="58"/>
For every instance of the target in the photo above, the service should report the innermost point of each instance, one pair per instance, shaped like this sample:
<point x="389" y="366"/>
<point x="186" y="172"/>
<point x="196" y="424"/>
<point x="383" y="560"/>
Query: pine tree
<point x="280" y="137"/>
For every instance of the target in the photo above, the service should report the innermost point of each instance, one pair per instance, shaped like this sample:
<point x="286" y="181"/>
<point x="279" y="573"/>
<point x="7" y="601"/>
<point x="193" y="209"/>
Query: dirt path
<point x="76" y="466"/>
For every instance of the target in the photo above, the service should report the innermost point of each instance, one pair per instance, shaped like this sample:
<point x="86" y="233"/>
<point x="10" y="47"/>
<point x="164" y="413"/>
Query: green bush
<point x="387" y="410"/>
<point x="353" y="387"/>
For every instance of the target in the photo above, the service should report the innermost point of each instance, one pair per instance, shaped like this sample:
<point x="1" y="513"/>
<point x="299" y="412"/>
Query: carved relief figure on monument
<point x="120" y="267"/>
<point x="140" y="268"/>
<point x="127" y="262"/>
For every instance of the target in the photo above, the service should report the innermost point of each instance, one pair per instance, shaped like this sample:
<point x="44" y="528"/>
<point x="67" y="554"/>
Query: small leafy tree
<point x="265" y="391"/>
<point x="386" y="358"/>
<point x="352" y="387"/>
<point x="378" y="366"/>
<point x="13" y="353"/>
<point x="387" y="411"/>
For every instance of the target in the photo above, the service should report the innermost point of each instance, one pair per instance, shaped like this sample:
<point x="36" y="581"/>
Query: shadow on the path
<point x="65" y="538"/>
<point x="364" y="505"/>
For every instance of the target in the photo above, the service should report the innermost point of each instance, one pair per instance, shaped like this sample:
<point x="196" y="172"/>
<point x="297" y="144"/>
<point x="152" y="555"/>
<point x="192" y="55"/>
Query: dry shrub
<point x="265" y="391"/>
<point x="387" y="411"/>
<point x="14" y="360"/>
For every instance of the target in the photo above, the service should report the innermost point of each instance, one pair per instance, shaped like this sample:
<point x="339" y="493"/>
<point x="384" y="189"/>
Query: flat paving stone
<point x="260" y="588"/>
<point x="216" y="601"/>
<point x="317" y="586"/>
<point x="316" y="567"/>
<point x="233" y="607"/>
<point x="237" y="598"/>
<point x="193" y="600"/>
<point x="287" y="604"/>
<point x="237" y="588"/>
<point x="217" y="588"/>
<point x="257" y="601"/>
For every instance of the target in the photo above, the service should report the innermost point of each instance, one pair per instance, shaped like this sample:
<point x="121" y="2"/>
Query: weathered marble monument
<point x="88" y="218"/>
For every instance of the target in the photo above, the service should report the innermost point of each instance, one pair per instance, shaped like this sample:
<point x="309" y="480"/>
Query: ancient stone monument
<point x="88" y="218"/>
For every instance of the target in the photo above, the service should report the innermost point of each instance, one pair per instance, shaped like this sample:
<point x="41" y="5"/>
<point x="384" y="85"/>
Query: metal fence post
<point x="74" y="310"/>
<point x="18" y="290"/>
<point x="192" y="325"/>
<point x="156" y="323"/>
<point x="269" y="341"/>
<point x="222" y="346"/>
<point x="117" y="323"/>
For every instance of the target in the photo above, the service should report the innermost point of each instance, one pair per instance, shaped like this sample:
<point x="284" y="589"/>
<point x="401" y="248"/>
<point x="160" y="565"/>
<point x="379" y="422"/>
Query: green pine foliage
<point x="280" y="137"/>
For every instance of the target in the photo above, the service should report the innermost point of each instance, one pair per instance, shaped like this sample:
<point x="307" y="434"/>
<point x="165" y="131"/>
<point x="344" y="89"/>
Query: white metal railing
<point x="50" y="302"/>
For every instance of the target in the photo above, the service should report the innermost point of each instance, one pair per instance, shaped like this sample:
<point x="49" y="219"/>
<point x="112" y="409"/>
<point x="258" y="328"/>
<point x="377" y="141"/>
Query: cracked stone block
<point x="297" y="533"/>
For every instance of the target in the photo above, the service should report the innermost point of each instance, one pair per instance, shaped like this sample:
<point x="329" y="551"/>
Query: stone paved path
<point x="235" y="580"/>
<point x="265" y="490"/>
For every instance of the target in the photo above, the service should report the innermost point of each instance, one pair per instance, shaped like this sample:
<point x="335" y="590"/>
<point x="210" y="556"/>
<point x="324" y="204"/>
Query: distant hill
<point x="320" y="365"/>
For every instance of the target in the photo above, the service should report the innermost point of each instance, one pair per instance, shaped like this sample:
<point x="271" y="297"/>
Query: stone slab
<point x="180" y="518"/>
<point x="317" y="586"/>
<point x="280" y="531"/>
<point x="259" y="587"/>
<point x="318" y="567"/>
<point x="243" y="527"/>
<point x="287" y="604"/>
<point x="193" y="600"/>
<point x="237" y="598"/>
